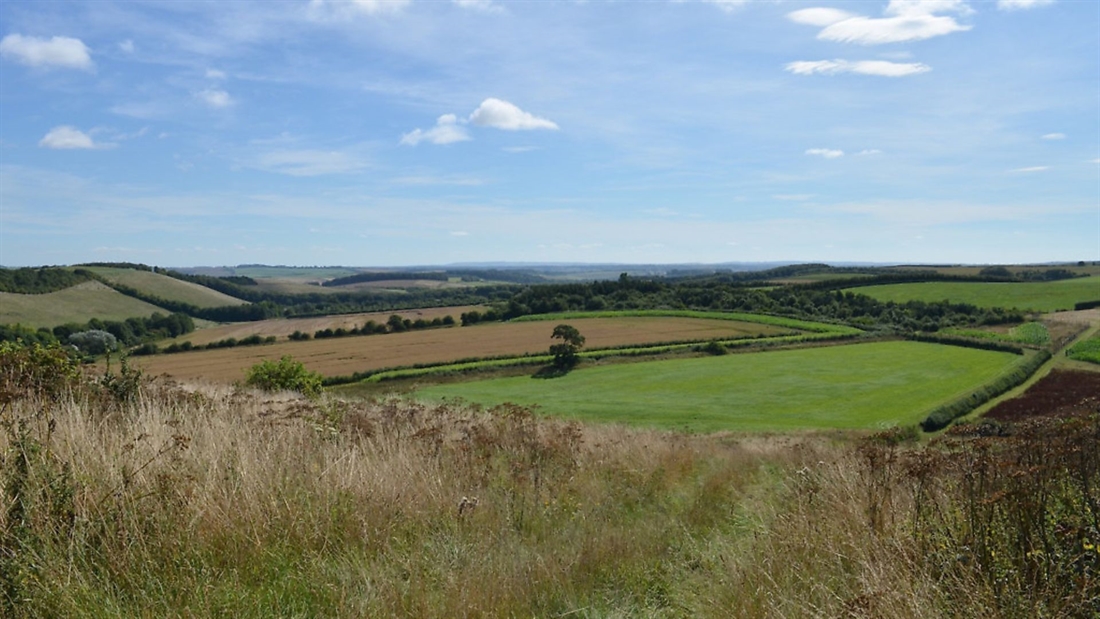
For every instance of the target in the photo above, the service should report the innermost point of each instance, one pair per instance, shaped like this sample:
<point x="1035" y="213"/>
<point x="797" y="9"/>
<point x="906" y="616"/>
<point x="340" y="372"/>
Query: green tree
<point x="565" y="351"/>
<point x="286" y="374"/>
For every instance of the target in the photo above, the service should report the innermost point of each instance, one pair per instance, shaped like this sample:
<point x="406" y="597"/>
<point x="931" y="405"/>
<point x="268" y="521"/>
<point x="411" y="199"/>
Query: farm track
<point x="343" y="356"/>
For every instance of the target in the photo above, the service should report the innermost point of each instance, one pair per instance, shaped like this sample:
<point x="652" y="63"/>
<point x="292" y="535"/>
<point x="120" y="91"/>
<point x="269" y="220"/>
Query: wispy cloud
<point x="1030" y="170"/>
<point x="1018" y="5"/>
<point x="501" y="114"/>
<point x="309" y="162"/>
<point x="344" y="9"/>
<point x="126" y="46"/>
<point x="215" y="98"/>
<point x="728" y="6"/>
<point x="65" y="137"/>
<point x="486" y="6"/>
<point x="905" y="20"/>
<point x="882" y="68"/>
<point x="827" y="153"/>
<point x="869" y="151"/>
<point x="446" y="131"/>
<point x="1054" y="136"/>
<point x="63" y="52"/>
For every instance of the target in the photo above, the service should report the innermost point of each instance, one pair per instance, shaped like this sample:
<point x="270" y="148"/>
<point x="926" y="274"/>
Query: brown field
<point x="1062" y="393"/>
<point x="282" y="327"/>
<point x="343" y="356"/>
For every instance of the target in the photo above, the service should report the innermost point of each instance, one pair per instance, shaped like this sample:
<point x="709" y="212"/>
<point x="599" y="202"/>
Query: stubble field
<point x="347" y="355"/>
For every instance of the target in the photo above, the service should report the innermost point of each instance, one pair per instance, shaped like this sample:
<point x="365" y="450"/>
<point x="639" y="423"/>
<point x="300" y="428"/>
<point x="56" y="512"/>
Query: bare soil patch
<point x="347" y="355"/>
<point x="1062" y="393"/>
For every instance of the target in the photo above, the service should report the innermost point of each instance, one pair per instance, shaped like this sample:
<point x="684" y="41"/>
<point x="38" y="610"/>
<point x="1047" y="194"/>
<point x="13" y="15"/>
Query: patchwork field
<point x="853" y="386"/>
<point x="343" y="356"/>
<point x="282" y="327"/>
<point x="165" y="287"/>
<point x="77" y="304"/>
<point x="1037" y="296"/>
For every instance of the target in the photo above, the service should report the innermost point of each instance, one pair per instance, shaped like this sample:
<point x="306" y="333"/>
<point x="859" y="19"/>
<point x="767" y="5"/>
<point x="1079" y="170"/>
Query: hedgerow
<point x="943" y="415"/>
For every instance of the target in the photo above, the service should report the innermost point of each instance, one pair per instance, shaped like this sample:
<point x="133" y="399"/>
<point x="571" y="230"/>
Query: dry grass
<point x="344" y="356"/>
<point x="202" y="500"/>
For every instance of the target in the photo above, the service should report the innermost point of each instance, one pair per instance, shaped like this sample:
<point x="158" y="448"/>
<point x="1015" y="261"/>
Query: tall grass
<point x="192" y="500"/>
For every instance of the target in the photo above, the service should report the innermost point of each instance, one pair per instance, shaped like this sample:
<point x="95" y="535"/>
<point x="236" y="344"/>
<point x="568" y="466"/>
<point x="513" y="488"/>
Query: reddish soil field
<point x="1062" y="393"/>
<point x="347" y="355"/>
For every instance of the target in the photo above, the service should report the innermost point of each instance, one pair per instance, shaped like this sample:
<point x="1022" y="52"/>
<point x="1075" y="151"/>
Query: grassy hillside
<point x="79" y="303"/>
<point x="855" y="386"/>
<point x="1037" y="296"/>
<point x="166" y="287"/>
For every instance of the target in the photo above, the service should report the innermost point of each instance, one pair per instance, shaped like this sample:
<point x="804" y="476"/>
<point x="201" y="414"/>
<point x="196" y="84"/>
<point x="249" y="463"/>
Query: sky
<point x="417" y="132"/>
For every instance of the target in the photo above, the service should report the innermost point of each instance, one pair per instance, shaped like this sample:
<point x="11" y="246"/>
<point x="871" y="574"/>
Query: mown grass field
<point x="166" y="287"/>
<point x="282" y="327"/>
<point x="1037" y="296"/>
<point x="347" y="355"/>
<point x="854" y="386"/>
<point x="77" y="304"/>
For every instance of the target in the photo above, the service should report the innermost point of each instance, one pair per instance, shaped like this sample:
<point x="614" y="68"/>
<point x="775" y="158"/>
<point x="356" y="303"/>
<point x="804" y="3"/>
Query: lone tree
<point x="565" y="352"/>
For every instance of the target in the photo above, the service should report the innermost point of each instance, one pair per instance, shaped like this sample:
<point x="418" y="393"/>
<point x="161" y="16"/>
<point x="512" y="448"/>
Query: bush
<point x="286" y="374"/>
<point x="94" y="342"/>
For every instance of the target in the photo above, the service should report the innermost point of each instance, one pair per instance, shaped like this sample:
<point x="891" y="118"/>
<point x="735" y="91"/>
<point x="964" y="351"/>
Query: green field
<point x="165" y="287"/>
<point x="78" y="304"/>
<point x="1037" y="296"/>
<point x="855" y="386"/>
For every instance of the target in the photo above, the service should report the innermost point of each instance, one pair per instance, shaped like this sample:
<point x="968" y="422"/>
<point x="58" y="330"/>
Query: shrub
<point x="286" y="374"/>
<point x="94" y="342"/>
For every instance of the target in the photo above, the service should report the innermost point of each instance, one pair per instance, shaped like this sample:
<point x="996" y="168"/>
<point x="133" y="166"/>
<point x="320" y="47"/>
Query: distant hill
<point x="78" y="304"/>
<point x="165" y="287"/>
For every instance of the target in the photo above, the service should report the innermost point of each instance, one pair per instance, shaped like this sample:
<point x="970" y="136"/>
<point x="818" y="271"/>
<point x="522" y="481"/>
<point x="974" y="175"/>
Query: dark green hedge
<point x="943" y="416"/>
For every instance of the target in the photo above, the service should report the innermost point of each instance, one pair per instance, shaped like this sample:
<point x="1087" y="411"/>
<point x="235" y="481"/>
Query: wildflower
<point x="1088" y="545"/>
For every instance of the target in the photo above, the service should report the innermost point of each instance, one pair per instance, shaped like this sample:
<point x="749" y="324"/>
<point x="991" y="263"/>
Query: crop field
<point x="1037" y="296"/>
<point x="282" y="327"/>
<point x="166" y="287"/>
<point x="1062" y="393"/>
<point x="347" y="355"/>
<point x="854" y="386"/>
<point x="77" y="304"/>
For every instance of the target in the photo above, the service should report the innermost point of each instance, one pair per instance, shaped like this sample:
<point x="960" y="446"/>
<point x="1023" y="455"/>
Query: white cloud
<point x="64" y="137"/>
<point x="215" y="98"/>
<point x="459" y="233"/>
<point x="1017" y="5"/>
<point x="62" y="52"/>
<point x="906" y="20"/>
<point x="882" y="68"/>
<point x="127" y="46"/>
<point x="827" y="153"/>
<point x="792" y="197"/>
<point x="504" y="115"/>
<point x="819" y="16"/>
<point x="869" y="151"/>
<point x="446" y="131"/>
<point x="214" y="74"/>
<point x="309" y="162"/>
<point x="1038" y="168"/>
<point x="1095" y="161"/>
<point x="1054" y="136"/>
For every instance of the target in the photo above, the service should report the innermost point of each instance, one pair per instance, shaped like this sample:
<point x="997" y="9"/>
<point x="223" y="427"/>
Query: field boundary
<point x="766" y="319"/>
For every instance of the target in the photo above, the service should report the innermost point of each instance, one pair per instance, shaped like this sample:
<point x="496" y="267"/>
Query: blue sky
<point x="429" y="132"/>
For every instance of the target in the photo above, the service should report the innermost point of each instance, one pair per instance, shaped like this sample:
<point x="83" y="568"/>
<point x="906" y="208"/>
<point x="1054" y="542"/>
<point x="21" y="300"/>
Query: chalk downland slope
<point x="79" y="304"/>
<point x="168" y="288"/>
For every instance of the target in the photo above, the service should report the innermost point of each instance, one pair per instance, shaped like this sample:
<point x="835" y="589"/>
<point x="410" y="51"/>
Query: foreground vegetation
<point x="123" y="498"/>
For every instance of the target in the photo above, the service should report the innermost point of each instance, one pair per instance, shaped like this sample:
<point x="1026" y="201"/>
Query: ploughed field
<point x="1062" y="393"/>
<point x="282" y="327"/>
<point x="1037" y="296"/>
<point x="347" y="355"/>
<point x="850" y="386"/>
